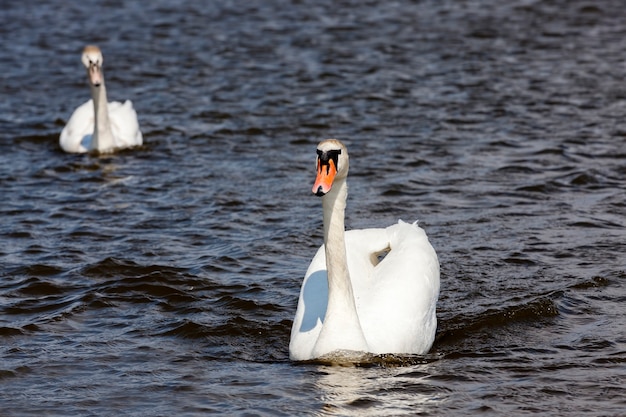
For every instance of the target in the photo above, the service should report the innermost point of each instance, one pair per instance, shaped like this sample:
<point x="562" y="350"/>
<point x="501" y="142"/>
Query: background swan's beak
<point x="95" y="75"/>
<point x="325" y="176"/>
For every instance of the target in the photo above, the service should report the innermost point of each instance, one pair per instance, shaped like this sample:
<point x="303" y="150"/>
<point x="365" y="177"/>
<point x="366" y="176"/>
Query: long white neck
<point x="342" y="328"/>
<point x="102" y="139"/>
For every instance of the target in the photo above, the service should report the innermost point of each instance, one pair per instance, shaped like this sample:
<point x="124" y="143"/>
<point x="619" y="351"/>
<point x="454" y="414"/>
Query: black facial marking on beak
<point x="325" y="158"/>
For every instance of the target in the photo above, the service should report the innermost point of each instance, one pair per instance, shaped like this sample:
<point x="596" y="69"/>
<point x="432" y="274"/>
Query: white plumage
<point x="350" y="303"/>
<point x="98" y="125"/>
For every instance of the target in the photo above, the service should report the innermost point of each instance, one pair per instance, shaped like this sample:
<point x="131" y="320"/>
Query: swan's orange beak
<point x="95" y="75"/>
<point x="326" y="171"/>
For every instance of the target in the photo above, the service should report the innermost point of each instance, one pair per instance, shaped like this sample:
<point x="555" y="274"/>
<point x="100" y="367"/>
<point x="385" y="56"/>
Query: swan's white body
<point x="97" y="125"/>
<point x="352" y="304"/>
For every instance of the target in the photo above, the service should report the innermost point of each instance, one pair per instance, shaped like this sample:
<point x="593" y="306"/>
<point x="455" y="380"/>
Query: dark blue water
<point x="163" y="280"/>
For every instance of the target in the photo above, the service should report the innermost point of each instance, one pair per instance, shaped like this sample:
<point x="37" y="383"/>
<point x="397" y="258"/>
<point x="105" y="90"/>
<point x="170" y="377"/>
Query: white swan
<point x="350" y="303"/>
<point x="99" y="126"/>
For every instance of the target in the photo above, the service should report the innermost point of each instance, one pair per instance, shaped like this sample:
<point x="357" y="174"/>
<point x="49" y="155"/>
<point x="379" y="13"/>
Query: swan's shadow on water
<point x="315" y="297"/>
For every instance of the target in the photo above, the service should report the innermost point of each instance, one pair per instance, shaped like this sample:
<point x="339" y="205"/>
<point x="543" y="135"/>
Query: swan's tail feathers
<point x="415" y="223"/>
<point x="404" y="232"/>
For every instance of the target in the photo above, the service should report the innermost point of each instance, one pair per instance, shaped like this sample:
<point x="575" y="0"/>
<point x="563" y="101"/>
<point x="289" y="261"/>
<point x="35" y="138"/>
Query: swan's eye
<point x="324" y="159"/>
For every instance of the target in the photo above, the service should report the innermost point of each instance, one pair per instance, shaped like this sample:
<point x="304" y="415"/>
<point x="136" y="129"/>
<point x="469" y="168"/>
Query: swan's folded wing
<point x="124" y="124"/>
<point x="76" y="135"/>
<point x="397" y="301"/>
<point x="311" y="310"/>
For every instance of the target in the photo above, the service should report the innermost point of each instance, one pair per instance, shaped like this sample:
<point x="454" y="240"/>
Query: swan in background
<point x="351" y="302"/>
<point x="99" y="126"/>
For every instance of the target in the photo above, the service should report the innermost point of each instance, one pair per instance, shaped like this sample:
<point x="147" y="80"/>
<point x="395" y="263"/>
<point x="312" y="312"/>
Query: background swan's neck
<point x="102" y="139"/>
<point x="342" y="328"/>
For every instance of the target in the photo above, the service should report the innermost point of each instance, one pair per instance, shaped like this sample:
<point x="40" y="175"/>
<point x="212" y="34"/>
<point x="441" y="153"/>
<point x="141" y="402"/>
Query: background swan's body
<point x="353" y="302"/>
<point x="77" y="135"/>
<point x="98" y="125"/>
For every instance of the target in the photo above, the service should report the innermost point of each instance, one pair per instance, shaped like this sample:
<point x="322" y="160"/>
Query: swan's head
<point x="332" y="165"/>
<point x="92" y="60"/>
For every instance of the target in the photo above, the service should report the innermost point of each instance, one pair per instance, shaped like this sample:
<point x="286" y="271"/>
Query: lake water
<point x="163" y="280"/>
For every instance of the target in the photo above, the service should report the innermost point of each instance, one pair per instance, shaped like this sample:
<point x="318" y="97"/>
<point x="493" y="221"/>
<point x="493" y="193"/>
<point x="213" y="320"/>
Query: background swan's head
<point x="92" y="60"/>
<point x="332" y="165"/>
